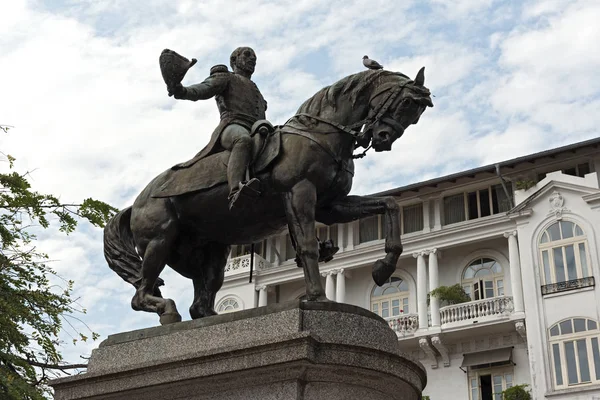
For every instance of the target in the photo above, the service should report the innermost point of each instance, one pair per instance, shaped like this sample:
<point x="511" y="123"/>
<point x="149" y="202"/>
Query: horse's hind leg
<point x="154" y="259"/>
<point x="300" y="205"/>
<point x="207" y="272"/>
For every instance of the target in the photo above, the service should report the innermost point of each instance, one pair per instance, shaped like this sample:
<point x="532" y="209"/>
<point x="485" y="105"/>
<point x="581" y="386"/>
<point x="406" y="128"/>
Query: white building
<point x="528" y="260"/>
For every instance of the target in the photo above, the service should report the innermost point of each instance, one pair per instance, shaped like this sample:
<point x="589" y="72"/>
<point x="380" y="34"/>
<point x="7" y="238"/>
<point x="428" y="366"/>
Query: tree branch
<point x="54" y="366"/>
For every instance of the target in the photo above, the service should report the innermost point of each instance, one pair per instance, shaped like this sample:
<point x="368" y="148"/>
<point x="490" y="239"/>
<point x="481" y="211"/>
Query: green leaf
<point x="32" y="311"/>
<point x="454" y="294"/>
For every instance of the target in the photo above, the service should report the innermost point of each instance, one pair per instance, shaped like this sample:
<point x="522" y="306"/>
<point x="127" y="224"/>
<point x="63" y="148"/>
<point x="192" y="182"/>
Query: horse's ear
<point x="420" y="79"/>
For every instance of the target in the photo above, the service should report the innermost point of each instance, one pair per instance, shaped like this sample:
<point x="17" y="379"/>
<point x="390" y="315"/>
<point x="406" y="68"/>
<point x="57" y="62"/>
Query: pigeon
<point x="371" y="64"/>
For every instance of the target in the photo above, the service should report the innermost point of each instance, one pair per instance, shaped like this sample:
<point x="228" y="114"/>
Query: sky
<point x="82" y="88"/>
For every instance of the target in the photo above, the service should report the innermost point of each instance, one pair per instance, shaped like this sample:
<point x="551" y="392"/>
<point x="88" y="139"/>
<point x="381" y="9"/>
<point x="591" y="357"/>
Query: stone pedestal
<point x="295" y="350"/>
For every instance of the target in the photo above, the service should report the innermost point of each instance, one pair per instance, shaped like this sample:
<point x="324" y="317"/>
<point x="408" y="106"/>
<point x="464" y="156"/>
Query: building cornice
<point x="592" y="199"/>
<point x="449" y="236"/>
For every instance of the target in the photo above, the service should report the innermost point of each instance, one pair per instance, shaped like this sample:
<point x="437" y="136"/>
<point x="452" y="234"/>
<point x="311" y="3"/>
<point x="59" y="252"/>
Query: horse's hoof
<point x="318" y="297"/>
<point x="382" y="271"/>
<point x="169" y="318"/>
<point x="196" y="314"/>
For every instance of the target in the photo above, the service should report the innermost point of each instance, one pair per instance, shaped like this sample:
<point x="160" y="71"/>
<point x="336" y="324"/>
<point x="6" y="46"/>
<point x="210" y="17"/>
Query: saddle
<point x="212" y="170"/>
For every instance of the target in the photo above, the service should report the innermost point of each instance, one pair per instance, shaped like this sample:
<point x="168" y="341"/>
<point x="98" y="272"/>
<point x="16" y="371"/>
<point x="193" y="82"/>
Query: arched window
<point x="563" y="253"/>
<point x="483" y="278"/>
<point x="228" y="305"/>
<point x="391" y="299"/>
<point x="575" y="353"/>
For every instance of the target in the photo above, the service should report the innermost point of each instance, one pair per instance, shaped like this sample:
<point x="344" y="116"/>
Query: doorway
<point x="485" y="384"/>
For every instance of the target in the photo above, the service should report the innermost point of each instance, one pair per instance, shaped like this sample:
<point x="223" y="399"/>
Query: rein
<point x="378" y="113"/>
<point x="373" y="117"/>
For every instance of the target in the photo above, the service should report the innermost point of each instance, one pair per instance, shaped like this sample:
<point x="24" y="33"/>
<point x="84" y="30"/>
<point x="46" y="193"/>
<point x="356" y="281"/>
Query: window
<point x="370" y="228"/>
<point x="391" y="299"/>
<point x="242" y="250"/>
<point x="290" y="252"/>
<point x="483" y="278"/>
<point x="489" y="384"/>
<point x="373" y="228"/>
<point x="228" y="305"/>
<point x="412" y="218"/>
<point x="575" y="352"/>
<point x="476" y="204"/>
<point x="564" y="253"/>
<point x="327" y="232"/>
<point x="579" y="170"/>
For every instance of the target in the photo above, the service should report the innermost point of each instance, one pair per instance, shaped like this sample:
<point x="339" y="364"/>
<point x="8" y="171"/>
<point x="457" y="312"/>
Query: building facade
<point x="520" y="237"/>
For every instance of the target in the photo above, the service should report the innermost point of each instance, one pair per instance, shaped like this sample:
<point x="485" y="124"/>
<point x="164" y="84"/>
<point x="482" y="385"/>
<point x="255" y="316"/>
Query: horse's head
<point x="394" y="107"/>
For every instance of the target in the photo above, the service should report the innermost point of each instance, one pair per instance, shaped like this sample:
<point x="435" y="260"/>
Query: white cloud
<point x="460" y="8"/>
<point x="535" y="9"/>
<point x="445" y="64"/>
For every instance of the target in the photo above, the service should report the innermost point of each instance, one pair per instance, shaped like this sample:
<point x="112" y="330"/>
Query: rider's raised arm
<point x="211" y="86"/>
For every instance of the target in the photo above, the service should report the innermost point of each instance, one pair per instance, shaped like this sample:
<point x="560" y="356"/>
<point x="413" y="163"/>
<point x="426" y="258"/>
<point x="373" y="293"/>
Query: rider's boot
<point x="241" y="192"/>
<point x="327" y="249"/>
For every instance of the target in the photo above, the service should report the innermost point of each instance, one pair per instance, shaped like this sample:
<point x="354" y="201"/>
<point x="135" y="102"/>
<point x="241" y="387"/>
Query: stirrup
<point x="247" y="191"/>
<point x="327" y="250"/>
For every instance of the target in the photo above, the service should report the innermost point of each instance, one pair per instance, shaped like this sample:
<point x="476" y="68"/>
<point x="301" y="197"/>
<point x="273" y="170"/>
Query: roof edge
<point x="490" y="167"/>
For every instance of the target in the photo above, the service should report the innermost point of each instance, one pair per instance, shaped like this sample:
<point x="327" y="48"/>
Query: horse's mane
<point x="355" y="85"/>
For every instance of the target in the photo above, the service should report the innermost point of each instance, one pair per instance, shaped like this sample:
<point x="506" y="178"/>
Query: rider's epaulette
<point x="218" y="68"/>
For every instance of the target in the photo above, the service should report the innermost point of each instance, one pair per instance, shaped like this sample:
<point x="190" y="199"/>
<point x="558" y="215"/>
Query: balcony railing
<point x="484" y="310"/>
<point x="242" y="264"/>
<point x="568" y="285"/>
<point x="404" y="324"/>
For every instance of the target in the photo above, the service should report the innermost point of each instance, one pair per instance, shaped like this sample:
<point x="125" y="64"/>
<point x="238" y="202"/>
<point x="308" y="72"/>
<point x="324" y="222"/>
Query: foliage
<point x="524" y="184"/>
<point x="32" y="307"/>
<point x="425" y="398"/>
<point x="516" y="393"/>
<point x="449" y="295"/>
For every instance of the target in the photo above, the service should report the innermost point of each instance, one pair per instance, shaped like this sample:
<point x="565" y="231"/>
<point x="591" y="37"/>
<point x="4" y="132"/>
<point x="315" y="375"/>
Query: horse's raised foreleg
<point x="208" y="273"/>
<point x="154" y="260"/>
<point x="352" y="208"/>
<point x="300" y="204"/>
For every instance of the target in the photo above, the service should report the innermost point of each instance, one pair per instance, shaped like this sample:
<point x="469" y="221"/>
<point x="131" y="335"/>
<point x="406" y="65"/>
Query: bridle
<point x="375" y="115"/>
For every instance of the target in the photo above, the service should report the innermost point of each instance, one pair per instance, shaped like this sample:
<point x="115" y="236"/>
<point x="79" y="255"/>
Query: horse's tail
<point x="119" y="249"/>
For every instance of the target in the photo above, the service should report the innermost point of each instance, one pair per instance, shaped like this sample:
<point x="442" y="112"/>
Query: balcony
<point x="487" y="310"/>
<point x="404" y="325"/>
<point x="241" y="264"/>
<point x="568" y="285"/>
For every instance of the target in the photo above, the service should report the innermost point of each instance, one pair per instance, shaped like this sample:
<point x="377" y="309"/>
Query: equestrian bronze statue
<point x="304" y="169"/>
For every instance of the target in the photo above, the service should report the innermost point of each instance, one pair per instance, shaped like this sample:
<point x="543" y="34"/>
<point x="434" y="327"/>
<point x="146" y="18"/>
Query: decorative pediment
<point x="555" y="191"/>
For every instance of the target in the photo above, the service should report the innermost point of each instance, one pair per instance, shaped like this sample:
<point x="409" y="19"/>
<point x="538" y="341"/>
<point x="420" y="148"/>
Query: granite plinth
<point x="296" y="350"/>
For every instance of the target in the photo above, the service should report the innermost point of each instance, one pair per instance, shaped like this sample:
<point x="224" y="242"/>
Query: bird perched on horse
<point x="371" y="64"/>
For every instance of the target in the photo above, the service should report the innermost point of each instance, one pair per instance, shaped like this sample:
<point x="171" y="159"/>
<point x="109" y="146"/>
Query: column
<point x="262" y="295"/>
<point x="340" y="286"/>
<point x="279" y="249"/>
<point x="351" y="230"/>
<point x="437" y="214"/>
<point x="434" y="302"/>
<point x="329" y="288"/>
<point x="516" y="281"/>
<point x="269" y="250"/>
<point x="421" y="289"/>
<point x="426" y="223"/>
<point x="340" y="236"/>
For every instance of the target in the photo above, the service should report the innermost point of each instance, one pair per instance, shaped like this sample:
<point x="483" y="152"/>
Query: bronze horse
<point x="309" y="181"/>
